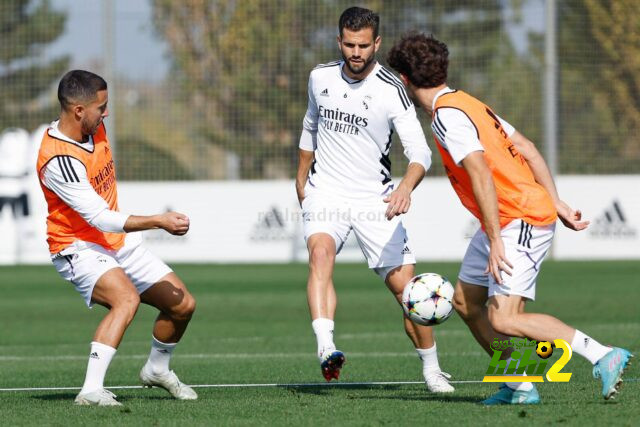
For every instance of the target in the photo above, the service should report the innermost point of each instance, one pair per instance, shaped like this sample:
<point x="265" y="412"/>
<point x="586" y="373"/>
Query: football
<point x="544" y="349"/>
<point x="427" y="299"/>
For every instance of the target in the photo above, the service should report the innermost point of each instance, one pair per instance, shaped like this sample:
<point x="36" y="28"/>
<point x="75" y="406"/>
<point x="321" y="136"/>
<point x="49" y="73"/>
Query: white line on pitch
<point x="256" y="385"/>
<point x="266" y="385"/>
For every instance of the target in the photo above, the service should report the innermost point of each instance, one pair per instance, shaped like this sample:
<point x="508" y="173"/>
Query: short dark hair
<point x="79" y="86"/>
<point x="356" y="18"/>
<point x="421" y="58"/>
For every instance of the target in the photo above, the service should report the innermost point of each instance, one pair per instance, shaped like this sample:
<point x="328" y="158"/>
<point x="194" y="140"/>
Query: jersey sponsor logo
<point x="341" y="121"/>
<point x="613" y="223"/>
<point x="325" y="92"/>
<point x="104" y="179"/>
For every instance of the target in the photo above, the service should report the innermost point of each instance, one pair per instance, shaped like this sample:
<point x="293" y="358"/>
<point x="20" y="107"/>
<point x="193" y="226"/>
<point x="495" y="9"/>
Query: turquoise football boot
<point x="610" y="369"/>
<point x="508" y="396"/>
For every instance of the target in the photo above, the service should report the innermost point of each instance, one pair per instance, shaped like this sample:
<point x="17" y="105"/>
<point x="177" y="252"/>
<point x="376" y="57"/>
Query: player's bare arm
<point x="172" y="222"/>
<point x="485" y="193"/>
<point x="399" y="200"/>
<point x="570" y="218"/>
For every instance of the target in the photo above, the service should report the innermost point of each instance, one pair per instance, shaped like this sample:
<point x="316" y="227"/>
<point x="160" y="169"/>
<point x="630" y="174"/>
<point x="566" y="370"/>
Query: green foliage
<point x="599" y="51"/>
<point x="133" y="163"/>
<point x="27" y="27"/>
<point x="244" y="66"/>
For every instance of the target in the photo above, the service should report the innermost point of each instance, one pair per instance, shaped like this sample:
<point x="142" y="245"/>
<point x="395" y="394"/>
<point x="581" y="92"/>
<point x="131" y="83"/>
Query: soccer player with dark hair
<point x="502" y="179"/>
<point x="344" y="182"/>
<point x="90" y="248"/>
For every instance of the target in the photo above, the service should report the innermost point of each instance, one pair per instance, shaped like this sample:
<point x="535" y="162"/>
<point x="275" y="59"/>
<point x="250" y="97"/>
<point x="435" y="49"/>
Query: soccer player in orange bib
<point x="502" y="179"/>
<point x="89" y="247"/>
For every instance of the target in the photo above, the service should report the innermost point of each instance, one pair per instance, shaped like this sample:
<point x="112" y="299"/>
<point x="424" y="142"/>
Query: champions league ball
<point x="544" y="349"/>
<point x="427" y="299"/>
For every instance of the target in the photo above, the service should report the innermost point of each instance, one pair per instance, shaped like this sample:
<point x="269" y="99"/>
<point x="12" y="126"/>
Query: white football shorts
<point x="384" y="243"/>
<point x="525" y="247"/>
<point x="83" y="263"/>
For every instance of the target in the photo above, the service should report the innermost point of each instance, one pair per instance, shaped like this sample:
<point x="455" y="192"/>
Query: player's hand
<point x="174" y="223"/>
<point x="570" y="218"/>
<point x="399" y="202"/>
<point x="498" y="261"/>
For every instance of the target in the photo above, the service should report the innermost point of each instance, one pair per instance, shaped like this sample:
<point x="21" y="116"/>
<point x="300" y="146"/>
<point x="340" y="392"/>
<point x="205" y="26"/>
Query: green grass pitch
<point x="252" y="326"/>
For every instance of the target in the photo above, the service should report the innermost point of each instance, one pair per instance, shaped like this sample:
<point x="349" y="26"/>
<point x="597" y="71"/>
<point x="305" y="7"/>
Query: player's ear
<point x="377" y="42"/>
<point x="78" y="110"/>
<point x="404" y="79"/>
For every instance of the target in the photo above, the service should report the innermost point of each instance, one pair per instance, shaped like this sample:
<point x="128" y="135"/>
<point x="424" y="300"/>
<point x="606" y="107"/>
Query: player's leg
<point x="507" y="301"/>
<point x="507" y="315"/>
<point x="470" y="299"/>
<point x="326" y="227"/>
<point x="114" y="291"/>
<point x="161" y="288"/>
<point x="385" y="245"/>
<point x="321" y="295"/>
<point x="97" y="276"/>
<point x="322" y="300"/>
<point x="421" y="336"/>
<point x="470" y="302"/>
<point x="176" y="305"/>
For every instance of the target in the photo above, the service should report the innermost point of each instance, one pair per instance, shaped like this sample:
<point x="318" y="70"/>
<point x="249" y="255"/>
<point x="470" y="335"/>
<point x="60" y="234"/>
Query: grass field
<point x="252" y="326"/>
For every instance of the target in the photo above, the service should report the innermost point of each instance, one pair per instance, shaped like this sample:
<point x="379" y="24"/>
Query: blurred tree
<point x="599" y="53"/>
<point x="27" y="26"/>
<point x="243" y="66"/>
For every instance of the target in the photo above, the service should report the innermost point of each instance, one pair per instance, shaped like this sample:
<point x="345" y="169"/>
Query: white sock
<point x="99" y="359"/>
<point x="517" y="385"/>
<point x="429" y="357"/>
<point x="323" y="328"/>
<point x="588" y="348"/>
<point x="159" y="356"/>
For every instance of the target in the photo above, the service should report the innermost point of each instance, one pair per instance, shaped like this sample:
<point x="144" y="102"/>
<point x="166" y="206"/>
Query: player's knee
<point x="127" y="305"/>
<point x="502" y="323"/>
<point x="465" y="309"/>
<point x="320" y="256"/>
<point x="185" y="309"/>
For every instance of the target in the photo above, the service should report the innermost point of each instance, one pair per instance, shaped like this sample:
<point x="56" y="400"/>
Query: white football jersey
<point x="349" y="124"/>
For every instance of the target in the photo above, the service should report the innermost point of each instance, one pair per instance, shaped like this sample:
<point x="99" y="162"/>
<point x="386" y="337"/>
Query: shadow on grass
<point x="58" y="396"/>
<point x="322" y="389"/>
<point x="419" y="395"/>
